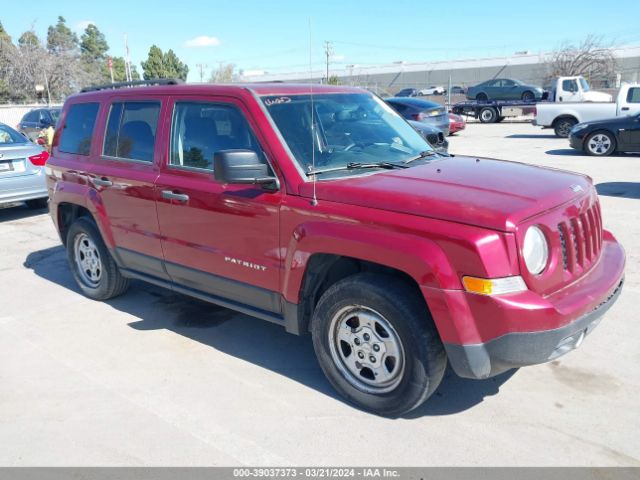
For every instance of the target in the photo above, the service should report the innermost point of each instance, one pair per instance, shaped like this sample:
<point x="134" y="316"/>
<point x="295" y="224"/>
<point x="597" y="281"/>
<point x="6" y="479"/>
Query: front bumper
<point x="576" y="142"/>
<point x="487" y="335"/>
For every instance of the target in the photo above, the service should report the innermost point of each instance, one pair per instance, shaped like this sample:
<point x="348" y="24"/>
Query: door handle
<point x="169" y="195"/>
<point x="624" y="109"/>
<point x="102" y="182"/>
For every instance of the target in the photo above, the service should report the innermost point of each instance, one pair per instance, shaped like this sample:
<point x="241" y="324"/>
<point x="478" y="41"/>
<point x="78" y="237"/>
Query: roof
<point x="221" y="89"/>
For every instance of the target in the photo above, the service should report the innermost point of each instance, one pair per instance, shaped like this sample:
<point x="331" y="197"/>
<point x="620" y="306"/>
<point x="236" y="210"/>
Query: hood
<point x="494" y="194"/>
<point x="594" y="96"/>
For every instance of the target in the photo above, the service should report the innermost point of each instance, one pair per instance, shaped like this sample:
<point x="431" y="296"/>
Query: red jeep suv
<point x="320" y="209"/>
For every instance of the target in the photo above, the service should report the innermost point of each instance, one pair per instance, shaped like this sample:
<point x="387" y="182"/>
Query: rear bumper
<point x="25" y="187"/>
<point x="485" y="335"/>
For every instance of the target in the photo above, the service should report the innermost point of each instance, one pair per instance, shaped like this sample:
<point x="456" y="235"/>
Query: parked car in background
<point x="573" y="89"/>
<point x="456" y="123"/>
<point x="433" y="135"/>
<point x="504" y="89"/>
<point x="421" y="111"/>
<point x="458" y="90"/>
<point x="563" y="116"/>
<point x="605" y="137"/>
<point x="407" y="92"/>
<point x="433" y="90"/>
<point x="37" y="120"/>
<point x="21" y="169"/>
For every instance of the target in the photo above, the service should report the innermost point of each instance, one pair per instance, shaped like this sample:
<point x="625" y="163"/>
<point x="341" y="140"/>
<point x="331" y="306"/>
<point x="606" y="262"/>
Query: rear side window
<point x="31" y="116"/>
<point x="633" y="96"/>
<point x="131" y="130"/>
<point x="199" y="130"/>
<point x="78" y="128"/>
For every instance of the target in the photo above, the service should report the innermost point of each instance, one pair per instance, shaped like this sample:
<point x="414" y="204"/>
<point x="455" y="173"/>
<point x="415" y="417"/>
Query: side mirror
<point x="243" y="167"/>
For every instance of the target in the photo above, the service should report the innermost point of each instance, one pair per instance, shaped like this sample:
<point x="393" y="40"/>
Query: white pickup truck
<point x="563" y="116"/>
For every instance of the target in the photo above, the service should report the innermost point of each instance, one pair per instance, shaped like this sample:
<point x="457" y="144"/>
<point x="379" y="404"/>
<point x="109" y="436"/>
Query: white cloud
<point x="202" y="41"/>
<point x="83" y="24"/>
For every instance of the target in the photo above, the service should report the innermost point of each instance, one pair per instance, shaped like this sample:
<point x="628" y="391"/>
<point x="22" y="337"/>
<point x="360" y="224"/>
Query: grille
<point x="581" y="239"/>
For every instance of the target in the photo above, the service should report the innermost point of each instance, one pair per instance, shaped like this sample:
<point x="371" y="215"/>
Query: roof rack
<point x="153" y="81"/>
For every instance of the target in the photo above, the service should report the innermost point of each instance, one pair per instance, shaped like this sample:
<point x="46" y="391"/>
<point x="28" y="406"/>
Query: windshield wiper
<point x="425" y="154"/>
<point x="357" y="165"/>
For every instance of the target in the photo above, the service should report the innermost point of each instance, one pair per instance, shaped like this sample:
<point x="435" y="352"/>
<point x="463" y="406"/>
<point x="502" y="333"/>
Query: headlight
<point x="535" y="250"/>
<point x="578" y="127"/>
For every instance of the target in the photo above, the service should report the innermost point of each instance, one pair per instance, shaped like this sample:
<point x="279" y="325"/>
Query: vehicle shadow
<point x="530" y="135"/>
<point x="252" y="340"/>
<point x="565" y="151"/>
<point x="619" y="189"/>
<point x="18" y="211"/>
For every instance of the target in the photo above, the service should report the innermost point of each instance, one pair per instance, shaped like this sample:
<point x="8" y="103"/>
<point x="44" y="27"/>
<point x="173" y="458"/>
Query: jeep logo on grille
<point x="576" y="188"/>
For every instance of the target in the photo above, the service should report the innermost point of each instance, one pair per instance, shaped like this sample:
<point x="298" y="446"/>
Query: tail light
<point x="40" y="159"/>
<point x="418" y="117"/>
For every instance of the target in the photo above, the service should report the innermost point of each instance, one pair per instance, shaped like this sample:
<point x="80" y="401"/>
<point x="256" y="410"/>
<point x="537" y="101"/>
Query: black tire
<point x="404" y="309"/>
<point x="600" y="148"/>
<point x="500" y="119"/>
<point x="563" y="126"/>
<point x="488" y="115"/>
<point x="111" y="282"/>
<point x="528" y="96"/>
<point x="37" y="203"/>
<point x="482" y="97"/>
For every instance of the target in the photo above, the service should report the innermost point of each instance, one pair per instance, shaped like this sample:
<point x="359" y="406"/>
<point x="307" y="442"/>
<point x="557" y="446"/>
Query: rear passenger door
<point x="218" y="239"/>
<point x="124" y="175"/>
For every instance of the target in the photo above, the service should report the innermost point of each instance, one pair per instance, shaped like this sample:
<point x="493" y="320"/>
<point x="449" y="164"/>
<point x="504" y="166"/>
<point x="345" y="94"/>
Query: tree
<point x="60" y="38"/>
<point x="119" y="70"/>
<point x="93" y="44"/>
<point x="225" y="74"/>
<point x="591" y="58"/>
<point x="7" y="54"/>
<point x="163" y="65"/>
<point x="333" y="80"/>
<point x="154" y="66"/>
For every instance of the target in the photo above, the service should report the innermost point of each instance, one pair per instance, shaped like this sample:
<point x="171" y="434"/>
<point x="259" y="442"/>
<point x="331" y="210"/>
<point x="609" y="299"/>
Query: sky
<point x="284" y="35"/>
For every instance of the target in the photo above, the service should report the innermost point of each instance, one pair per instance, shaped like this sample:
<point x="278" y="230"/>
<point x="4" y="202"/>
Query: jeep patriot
<point x="320" y="209"/>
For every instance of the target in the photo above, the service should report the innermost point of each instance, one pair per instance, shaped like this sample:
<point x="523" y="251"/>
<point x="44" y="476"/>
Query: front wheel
<point x="600" y="144"/>
<point x="93" y="268"/>
<point x="488" y="115"/>
<point x="377" y="343"/>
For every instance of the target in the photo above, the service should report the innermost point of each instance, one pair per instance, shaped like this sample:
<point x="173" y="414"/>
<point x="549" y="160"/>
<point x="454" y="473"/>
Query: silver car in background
<point x="21" y="169"/>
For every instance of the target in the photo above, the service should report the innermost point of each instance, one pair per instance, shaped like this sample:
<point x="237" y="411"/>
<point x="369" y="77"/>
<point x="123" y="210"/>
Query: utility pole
<point x="201" y="67"/>
<point x="127" y="61"/>
<point x="328" y="53"/>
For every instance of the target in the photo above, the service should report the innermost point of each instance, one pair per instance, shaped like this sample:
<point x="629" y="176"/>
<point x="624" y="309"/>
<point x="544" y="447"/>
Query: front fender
<point x="419" y="257"/>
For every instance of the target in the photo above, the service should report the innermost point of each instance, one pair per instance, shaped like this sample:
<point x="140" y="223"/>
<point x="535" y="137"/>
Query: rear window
<point x="78" y="128"/>
<point x="415" y="102"/>
<point x="8" y="136"/>
<point x="131" y="130"/>
<point x="633" y="96"/>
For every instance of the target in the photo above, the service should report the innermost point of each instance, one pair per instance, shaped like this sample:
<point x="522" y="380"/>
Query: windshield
<point x="585" y="85"/>
<point x="8" y="136"/>
<point x="349" y="128"/>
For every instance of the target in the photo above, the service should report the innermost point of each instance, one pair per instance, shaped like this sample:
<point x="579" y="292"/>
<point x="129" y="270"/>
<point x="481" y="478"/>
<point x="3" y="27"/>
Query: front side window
<point x="569" y="86"/>
<point x="348" y="128"/>
<point x="634" y="95"/>
<point x="78" y="128"/>
<point x="199" y="130"/>
<point x="131" y="130"/>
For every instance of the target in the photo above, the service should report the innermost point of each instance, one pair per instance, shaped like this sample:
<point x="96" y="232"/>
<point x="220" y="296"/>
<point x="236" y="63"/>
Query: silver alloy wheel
<point x="88" y="262"/>
<point x="487" y="115"/>
<point x="366" y="349"/>
<point x="599" y="144"/>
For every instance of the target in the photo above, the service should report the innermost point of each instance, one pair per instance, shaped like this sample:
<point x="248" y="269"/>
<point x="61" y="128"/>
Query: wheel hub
<point x="366" y="349"/>
<point x="88" y="262"/>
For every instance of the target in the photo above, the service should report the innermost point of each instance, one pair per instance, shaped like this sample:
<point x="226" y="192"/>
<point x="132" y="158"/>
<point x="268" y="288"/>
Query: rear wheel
<point x="528" y="96"/>
<point x="600" y="144"/>
<point x="488" y="115"/>
<point x="482" y="97"/>
<point x="93" y="267"/>
<point x="37" y="203"/>
<point x="377" y="344"/>
<point x="562" y="127"/>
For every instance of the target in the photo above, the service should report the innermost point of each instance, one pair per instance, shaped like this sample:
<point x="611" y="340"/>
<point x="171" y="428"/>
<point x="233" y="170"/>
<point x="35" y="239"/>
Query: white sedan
<point x="433" y="90"/>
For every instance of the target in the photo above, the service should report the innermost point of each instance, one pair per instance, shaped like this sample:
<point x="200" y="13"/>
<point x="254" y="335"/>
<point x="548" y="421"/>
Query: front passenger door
<point x="218" y="239"/>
